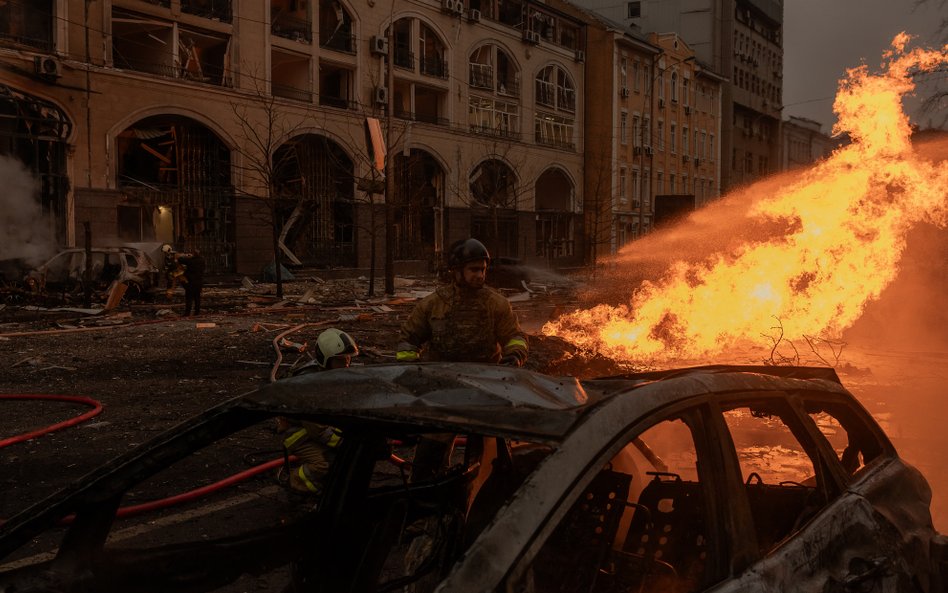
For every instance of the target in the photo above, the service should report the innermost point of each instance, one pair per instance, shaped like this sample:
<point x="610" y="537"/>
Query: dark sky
<point x="822" y="38"/>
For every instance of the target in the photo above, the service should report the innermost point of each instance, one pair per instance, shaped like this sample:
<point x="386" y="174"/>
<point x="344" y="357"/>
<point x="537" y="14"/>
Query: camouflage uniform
<point x="461" y="324"/>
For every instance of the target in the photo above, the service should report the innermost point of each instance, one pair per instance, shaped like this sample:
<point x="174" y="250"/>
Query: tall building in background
<point x="743" y="41"/>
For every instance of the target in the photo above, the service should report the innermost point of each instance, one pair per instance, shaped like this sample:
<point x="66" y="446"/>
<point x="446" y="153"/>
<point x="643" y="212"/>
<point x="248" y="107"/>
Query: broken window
<point x="219" y="10"/>
<point x="555" y="219"/>
<point x="784" y="482"/>
<point x="155" y="46"/>
<point x="290" y="76"/>
<point x="851" y="437"/>
<point x="28" y="23"/>
<point x="291" y="19"/>
<point x="432" y="52"/>
<point x="555" y="91"/>
<point x="314" y="181"/>
<point x="419" y="182"/>
<point x="640" y="524"/>
<point x="493" y="110"/>
<point x="335" y="27"/>
<point x="404" y="55"/>
<point x="34" y="131"/>
<point x="335" y="86"/>
<point x="175" y="163"/>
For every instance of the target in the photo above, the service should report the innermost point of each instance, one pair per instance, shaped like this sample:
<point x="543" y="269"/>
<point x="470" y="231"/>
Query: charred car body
<point x="64" y="272"/>
<point x="715" y="478"/>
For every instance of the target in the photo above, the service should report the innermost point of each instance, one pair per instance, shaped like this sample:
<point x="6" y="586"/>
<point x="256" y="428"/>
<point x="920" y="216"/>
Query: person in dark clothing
<point x="194" y="276"/>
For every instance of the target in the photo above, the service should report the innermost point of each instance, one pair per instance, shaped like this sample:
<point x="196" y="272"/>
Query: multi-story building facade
<point x="653" y="117"/>
<point x="804" y="143"/>
<point x="199" y="121"/>
<point x="741" y="40"/>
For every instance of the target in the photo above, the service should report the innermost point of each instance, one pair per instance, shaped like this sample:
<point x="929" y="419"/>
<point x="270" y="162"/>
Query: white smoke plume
<point x="25" y="231"/>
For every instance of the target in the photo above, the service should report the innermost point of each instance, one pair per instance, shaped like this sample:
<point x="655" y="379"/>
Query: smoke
<point x="25" y="231"/>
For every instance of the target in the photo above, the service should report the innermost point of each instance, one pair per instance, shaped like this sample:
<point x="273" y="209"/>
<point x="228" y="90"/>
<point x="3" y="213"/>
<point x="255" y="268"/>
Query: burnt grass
<point x="151" y="369"/>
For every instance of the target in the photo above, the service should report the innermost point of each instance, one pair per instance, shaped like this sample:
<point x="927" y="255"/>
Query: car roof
<point x="502" y="401"/>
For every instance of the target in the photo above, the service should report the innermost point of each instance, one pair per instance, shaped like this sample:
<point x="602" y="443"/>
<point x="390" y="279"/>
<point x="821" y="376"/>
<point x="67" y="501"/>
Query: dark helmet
<point x="465" y="251"/>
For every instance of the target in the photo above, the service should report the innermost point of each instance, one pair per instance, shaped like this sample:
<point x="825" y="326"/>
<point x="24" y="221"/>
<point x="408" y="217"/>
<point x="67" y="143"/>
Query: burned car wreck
<point x="65" y="271"/>
<point x="712" y="478"/>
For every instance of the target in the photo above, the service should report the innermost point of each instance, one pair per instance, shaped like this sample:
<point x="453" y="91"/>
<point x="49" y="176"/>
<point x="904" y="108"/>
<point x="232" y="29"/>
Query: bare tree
<point x="263" y="127"/>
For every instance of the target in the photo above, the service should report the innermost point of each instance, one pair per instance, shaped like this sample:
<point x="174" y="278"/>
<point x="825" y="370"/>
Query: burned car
<point x="713" y="478"/>
<point x="64" y="272"/>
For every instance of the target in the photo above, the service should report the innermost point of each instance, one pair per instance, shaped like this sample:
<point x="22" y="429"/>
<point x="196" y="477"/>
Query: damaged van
<point x="723" y="478"/>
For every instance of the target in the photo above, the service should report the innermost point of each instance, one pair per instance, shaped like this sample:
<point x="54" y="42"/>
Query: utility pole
<point x="390" y="160"/>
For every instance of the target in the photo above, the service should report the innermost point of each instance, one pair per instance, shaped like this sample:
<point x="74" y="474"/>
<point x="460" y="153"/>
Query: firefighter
<point x="174" y="271"/>
<point x="464" y="321"/>
<point x="194" y="280"/>
<point x="314" y="445"/>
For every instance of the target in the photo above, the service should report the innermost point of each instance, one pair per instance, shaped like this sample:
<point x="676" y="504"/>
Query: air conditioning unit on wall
<point x="624" y="92"/>
<point x="474" y="15"/>
<point x="47" y="66"/>
<point x="531" y="37"/>
<point x="381" y="95"/>
<point x="379" y="45"/>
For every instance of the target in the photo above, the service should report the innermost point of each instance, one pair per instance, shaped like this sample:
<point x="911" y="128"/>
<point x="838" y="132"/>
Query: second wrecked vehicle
<point x="716" y="478"/>
<point x="64" y="271"/>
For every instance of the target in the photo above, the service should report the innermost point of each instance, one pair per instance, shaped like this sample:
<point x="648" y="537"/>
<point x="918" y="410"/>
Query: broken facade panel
<point x="156" y="46"/>
<point x="181" y="169"/>
<point x="335" y="27"/>
<point x="419" y="194"/>
<point x="34" y="132"/>
<point x="314" y="181"/>
<point x="27" y="23"/>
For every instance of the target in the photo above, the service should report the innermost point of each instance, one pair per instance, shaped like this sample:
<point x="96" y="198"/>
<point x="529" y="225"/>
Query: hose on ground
<point x="79" y="399"/>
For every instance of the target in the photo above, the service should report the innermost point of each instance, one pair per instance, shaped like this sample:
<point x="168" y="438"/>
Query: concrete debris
<point x="164" y="313"/>
<point x="516" y="298"/>
<point x="246" y="283"/>
<point x="307" y="297"/>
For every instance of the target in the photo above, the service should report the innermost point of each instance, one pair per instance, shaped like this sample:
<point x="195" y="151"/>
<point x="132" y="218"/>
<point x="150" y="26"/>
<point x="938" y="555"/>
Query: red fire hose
<point x="96" y="409"/>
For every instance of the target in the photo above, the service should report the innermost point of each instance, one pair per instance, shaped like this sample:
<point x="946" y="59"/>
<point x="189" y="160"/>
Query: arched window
<point x="555" y="98"/>
<point x="494" y="78"/>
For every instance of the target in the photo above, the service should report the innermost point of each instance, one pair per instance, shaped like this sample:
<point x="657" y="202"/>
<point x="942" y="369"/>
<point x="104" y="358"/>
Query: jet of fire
<point x="846" y="221"/>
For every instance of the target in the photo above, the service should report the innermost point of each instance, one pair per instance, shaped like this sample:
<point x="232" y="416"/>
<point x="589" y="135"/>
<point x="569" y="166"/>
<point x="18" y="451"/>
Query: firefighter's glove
<point x="511" y="361"/>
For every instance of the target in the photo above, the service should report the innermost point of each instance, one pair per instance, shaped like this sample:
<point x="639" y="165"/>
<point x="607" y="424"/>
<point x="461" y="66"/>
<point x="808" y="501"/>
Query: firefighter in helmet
<point x="314" y="445"/>
<point x="464" y="321"/>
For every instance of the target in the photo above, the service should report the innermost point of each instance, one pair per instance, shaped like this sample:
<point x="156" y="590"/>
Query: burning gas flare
<point x="846" y="221"/>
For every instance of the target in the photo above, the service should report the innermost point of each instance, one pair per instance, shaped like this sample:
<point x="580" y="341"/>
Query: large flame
<point x="844" y="226"/>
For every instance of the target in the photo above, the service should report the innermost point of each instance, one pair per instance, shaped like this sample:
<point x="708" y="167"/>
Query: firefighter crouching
<point x="464" y="321"/>
<point x="314" y="445"/>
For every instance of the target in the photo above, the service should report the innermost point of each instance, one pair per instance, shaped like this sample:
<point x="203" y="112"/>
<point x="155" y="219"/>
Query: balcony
<point x="341" y="41"/>
<point x="434" y="66"/>
<point x="292" y="93"/>
<point x="495" y="132"/>
<point x="481" y="76"/>
<point x="337" y="102"/>
<point x="288" y="27"/>
<point x="218" y="10"/>
<point x="421" y="117"/>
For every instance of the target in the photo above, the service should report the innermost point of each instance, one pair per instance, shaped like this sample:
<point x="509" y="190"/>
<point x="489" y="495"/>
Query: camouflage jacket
<point x="462" y="325"/>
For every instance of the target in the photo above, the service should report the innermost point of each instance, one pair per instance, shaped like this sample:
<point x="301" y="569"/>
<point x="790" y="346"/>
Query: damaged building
<point x="163" y="120"/>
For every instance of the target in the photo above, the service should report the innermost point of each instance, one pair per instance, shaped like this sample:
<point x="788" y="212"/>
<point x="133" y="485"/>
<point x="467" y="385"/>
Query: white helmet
<point x="334" y="342"/>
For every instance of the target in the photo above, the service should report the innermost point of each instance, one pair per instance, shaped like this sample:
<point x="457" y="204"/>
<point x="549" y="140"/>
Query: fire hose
<point x="129" y="511"/>
<point x="96" y="409"/>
